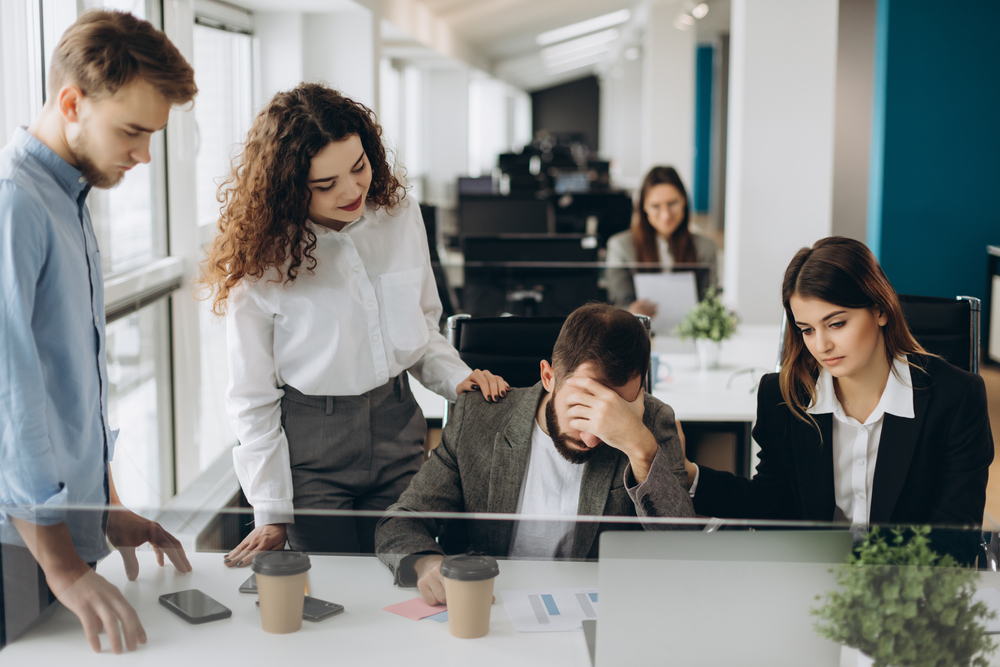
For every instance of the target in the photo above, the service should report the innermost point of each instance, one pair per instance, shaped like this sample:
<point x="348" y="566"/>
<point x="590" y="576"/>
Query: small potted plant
<point x="709" y="323"/>
<point x="900" y="604"/>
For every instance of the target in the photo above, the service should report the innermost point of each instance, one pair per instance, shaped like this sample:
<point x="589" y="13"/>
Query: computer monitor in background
<point x="572" y="182"/>
<point x="495" y="214"/>
<point x="525" y="274"/>
<point x="475" y="185"/>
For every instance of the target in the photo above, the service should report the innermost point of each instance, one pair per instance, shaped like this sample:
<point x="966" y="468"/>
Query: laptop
<point x="722" y="598"/>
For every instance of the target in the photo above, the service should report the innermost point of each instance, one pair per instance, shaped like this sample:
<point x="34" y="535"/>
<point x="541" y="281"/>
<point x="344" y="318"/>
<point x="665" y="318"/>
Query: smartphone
<point x="194" y="606"/>
<point x="250" y="585"/>
<point x="314" y="609"/>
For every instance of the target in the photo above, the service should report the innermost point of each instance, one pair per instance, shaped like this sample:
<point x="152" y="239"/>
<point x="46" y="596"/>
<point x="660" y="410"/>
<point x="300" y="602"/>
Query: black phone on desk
<point x="194" y="606"/>
<point x="314" y="609"/>
<point x="250" y="585"/>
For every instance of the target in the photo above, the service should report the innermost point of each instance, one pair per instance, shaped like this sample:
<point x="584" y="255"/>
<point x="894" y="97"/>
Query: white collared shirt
<point x="551" y="487"/>
<point x="855" y="445"/>
<point x="368" y="312"/>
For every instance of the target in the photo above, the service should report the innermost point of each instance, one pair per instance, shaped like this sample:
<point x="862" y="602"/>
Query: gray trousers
<point x="349" y="453"/>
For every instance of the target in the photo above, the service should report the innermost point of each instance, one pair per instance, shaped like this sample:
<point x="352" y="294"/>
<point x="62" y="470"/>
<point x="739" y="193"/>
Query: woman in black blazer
<point x="861" y="425"/>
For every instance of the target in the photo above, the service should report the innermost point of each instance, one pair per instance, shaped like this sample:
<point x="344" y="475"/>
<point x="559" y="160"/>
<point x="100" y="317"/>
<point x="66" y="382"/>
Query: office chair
<point x="945" y="327"/>
<point x="510" y="346"/>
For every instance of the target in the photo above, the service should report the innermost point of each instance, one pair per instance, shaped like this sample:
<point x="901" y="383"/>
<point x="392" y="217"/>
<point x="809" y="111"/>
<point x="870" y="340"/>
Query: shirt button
<point x="81" y="180"/>
<point x="371" y="303"/>
<point x="356" y="269"/>
<point x="861" y="462"/>
<point x="381" y="374"/>
<point x="375" y="338"/>
<point x="861" y="496"/>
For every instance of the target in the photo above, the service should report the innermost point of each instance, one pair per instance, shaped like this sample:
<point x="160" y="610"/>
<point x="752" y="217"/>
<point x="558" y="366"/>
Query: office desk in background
<point x="723" y="399"/>
<point x="363" y="635"/>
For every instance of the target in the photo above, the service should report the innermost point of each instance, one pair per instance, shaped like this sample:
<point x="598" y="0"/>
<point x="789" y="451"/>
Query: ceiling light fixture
<point x="583" y="27"/>
<point x="599" y="49"/>
<point x="603" y="37"/>
<point x="686" y="19"/>
<point x="700" y="12"/>
<point x="575" y="64"/>
<point x="679" y="25"/>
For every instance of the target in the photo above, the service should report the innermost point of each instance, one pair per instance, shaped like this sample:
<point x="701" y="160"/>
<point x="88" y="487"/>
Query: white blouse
<point x="367" y="312"/>
<point x="855" y="445"/>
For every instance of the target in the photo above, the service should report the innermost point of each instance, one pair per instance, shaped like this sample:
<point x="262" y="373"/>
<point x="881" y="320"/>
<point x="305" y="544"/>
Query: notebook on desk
<point x="723" y="598"/>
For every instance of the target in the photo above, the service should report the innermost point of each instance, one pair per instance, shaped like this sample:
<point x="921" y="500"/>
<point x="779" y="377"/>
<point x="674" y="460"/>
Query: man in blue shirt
<point x="112" y="83"/>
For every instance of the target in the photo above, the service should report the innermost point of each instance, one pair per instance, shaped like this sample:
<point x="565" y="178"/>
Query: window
<point x="139" y="402"/>
<point x="20" y="65"/>
<point x="223" y="113"/>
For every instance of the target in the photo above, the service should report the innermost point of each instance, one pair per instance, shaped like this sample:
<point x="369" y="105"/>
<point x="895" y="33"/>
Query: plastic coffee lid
<point x="280" y="563"/>
<point x="469" y="567"/>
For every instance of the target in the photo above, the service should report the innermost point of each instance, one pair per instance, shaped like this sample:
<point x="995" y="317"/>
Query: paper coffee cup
<point x="468" y="587"/>
<point x="281" y="589"/>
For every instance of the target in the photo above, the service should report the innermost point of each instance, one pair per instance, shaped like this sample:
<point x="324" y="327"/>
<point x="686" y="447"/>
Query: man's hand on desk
<point x="97" y="603"/>
<point x="430" y="583"/>
<point x="127" y="530"/>
<point x="262" y="538"/>
<point x="601" y="412"/>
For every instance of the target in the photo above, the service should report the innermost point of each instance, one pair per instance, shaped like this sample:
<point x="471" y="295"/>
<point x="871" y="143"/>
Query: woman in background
<point x="322" y="268"/>
<point x="861" y="425"/>
<point x="659" y="234"/>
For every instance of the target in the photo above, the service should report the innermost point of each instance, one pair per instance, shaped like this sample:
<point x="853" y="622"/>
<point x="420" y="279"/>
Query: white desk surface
<point x="363" y="635"/>
<point x="697" y="395"/>
<point x="694" y="395"/>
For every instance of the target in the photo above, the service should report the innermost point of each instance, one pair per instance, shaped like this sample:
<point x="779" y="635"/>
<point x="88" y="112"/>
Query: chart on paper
<point x="558" y="610"/>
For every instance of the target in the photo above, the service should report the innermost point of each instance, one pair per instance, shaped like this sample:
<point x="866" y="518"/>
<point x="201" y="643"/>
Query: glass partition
<point x="567" y="590"/>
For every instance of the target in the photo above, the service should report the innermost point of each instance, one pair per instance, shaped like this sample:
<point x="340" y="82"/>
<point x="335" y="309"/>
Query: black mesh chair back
<point x="510" y="347"/>
<point x="507" y="346"/>
<point x="945" y="327"/>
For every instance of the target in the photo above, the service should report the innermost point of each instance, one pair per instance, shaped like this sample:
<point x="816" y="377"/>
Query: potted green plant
<point x="900" y="604"/>
<point x="709" y="323"/>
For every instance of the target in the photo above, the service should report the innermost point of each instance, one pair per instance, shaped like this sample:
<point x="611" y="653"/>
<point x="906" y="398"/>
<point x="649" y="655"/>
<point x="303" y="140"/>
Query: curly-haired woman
<point x="322" y="269"/>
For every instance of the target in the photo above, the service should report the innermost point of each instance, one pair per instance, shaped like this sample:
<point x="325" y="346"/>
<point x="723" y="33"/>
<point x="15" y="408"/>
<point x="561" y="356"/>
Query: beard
<point x="97" y="178"/>
<point x="561" y="440"/>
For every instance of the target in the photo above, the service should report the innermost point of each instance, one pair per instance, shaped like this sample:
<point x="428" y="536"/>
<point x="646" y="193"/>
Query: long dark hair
<point x="682" y="248"/>
<point x="845" y="273"/>
<point x="265" y="199"/>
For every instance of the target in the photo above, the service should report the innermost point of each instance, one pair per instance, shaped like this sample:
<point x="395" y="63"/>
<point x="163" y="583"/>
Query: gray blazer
<point x="480" y="466"/>
<point x="621" y="250"/>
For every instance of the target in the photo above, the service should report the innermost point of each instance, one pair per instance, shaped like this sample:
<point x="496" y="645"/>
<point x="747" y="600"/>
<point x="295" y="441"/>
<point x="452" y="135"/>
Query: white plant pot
<point x="708" y="353"/>
<point x="852" y="657"/>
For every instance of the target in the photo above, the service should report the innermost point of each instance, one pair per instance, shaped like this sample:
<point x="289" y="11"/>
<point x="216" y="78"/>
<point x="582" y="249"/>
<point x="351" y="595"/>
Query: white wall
<point x="668" y="87"/>
<point x="446" y="110"/>
<point x="621" y="121"/>
<point x="339" y="50"/>
<point x="280" y="37"/>
<point x="780" y="153"/>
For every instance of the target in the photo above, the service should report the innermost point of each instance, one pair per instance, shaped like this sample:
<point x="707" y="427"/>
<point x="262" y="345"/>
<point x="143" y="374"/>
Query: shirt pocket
<point x="403" y="314"/>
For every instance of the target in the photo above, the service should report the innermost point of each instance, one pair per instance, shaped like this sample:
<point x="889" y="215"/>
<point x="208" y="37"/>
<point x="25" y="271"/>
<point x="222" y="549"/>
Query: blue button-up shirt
<point x="55" y="442"/>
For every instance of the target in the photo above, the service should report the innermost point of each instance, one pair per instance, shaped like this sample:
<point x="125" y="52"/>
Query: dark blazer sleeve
<point x="437" y="487"/>
<point x="772" y="493"/>
<point x="664" y="491"/>
<point x="964" y="474"/>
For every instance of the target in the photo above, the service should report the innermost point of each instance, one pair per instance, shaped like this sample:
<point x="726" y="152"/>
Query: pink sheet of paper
<point x="415" y="609"/>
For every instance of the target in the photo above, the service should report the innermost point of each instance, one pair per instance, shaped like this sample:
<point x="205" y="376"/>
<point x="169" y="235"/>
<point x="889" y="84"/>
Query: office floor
<point x="991" y="375"/>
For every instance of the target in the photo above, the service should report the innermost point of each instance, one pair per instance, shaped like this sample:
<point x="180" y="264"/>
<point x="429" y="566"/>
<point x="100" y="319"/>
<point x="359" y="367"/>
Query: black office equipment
<point x="532" y="275"/>
<point x="485" y="215"/>
<point x="476" y="185"/>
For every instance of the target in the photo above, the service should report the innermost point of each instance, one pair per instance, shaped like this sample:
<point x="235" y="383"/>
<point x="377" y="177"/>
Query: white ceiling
<point x="501" y="33"/>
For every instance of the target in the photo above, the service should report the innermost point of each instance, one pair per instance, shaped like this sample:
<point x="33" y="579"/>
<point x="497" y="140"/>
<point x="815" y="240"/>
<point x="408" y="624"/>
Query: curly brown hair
<point x="265" y="199"/>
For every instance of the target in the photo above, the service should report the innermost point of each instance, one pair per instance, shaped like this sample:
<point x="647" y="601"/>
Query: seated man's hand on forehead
<point x="601" y="414"/>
